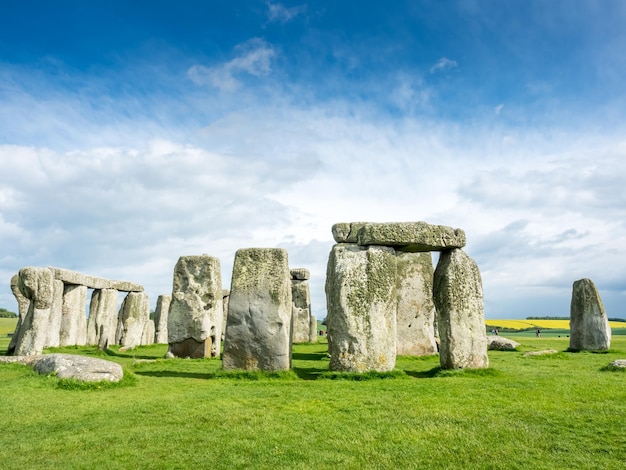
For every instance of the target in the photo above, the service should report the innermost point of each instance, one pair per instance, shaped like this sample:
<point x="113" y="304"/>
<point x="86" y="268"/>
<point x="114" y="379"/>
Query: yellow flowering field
<point x="544" y="324"/>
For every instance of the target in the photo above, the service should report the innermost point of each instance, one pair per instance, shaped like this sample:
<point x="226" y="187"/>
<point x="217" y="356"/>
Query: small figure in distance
<point x="538" y="332"/>
<point x="497" y="332"/>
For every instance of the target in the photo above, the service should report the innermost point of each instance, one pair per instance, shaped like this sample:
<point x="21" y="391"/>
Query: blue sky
<point x="133" y="134"/>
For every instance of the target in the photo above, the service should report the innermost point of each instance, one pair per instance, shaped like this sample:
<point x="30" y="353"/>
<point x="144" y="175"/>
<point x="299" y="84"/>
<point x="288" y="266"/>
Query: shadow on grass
<point x="307" y="373"/>
<point x="423" y="374"/>
<point x="309" y="356"/>
<point x="127" y="355"/>
<point x="176" y="374"/>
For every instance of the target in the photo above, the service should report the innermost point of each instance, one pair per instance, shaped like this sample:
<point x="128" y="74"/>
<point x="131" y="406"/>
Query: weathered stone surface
<point x="589" y="325"/>
<point x="415" y="326"/>
<point x="544" y="352"/>
<point x="346" y="232"/>
<point x="411" y="236"/>
<point x="312" y="329"/>
<point x="500" y="343"/>
<point x="361" y="302"/>
<point x="22" y="305"/>
<point x="196" y="310"/>
<point x="301" y="307"/>
<point x="86" y="369"/>
<point x="56" y="313"/>
<point x="134" y="314"/>
<point x="300" y="274"/>
<point x="93" y="282"/>
<point x="160" y="318"/>
<point x="36" y="284"/>
<point x="618" y="364"/>
<point x="73" y="330"/>
<point x="258" y="331"/>
<point x="149" y="330"/>
<point x="103" y="318"/>
<point x="458" y="296"/>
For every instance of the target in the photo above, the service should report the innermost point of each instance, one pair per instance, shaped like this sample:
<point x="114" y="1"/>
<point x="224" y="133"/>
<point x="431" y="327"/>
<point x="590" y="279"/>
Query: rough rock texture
<point x="312" y="329"/>
<point x="415" y="319"/>
<point x="56" y="314"/>
<point x="93" y="282"/>
<point x="86" y="369"/>
<point x="73" y="331"/>
<point x="543" y="352"/>
<point x="22" y="304"/>
<point x="149" y="330"/>
<point x="301" y="305"/>
<point x="411" y="236"/>
<point x="258" y="332"/>
<point x="133" y="316"/>
<point x="160" y="318"/>
<point x="589" y="325"/>
<point x="361" y="301"/>
<point x="36" y="284"/>
<point x="618" y="364"/>
<point x="300" y="274"/>
<point x="194" y="323"/>
<point x="346" y="232"/>
<point x="458" y="296"/>
<point x="500" y="343"/>
<point x="102" y="322"/>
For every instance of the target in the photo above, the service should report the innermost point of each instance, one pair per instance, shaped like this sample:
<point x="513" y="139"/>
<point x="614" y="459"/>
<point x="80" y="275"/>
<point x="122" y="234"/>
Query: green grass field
<point x="562" y="411"/>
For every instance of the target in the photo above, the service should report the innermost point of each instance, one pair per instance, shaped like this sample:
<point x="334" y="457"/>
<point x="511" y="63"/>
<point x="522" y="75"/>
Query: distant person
<point x="497" y="332"/>
<point x="493" y="332"/>
<point x="538" y="333"/>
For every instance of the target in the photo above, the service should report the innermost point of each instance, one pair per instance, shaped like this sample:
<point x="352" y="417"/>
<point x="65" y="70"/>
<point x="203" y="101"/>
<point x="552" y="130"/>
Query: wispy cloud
<point x="443" y="64"/>
<point x="279" y="13"/>
<point x="253" y="57"/>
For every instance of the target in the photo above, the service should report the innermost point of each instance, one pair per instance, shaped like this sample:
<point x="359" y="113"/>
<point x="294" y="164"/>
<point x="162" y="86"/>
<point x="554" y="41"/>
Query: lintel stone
<point x="93" y="282"/>
<point x="411" y="236"/>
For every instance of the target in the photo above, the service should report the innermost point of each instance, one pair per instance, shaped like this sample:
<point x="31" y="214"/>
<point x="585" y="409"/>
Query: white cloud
<point x="253" y="58"/>
<point x="280" y="13"/>
<point x="498" y="109"/>
<point x="443" y="64"/>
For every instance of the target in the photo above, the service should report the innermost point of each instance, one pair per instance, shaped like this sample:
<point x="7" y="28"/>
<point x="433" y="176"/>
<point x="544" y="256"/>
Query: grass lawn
<point x="560" y="411"/>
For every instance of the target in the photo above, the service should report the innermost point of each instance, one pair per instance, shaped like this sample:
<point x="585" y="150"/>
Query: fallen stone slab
<point x="411" y="236"/>
<point x="93" y="282"/>
<point x="71" y="366"/>
<point x="543" y="352"/>
<point x="500" y="343"/>
<point x="618" y="364"/>
<point x="85" y="369"/>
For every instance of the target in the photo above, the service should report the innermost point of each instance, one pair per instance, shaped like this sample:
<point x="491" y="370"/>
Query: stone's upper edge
<point x="346" y="232"/>
<point x="411" y="236"/>
<point x="93" y="282"/>
<point x="300" y="274"/>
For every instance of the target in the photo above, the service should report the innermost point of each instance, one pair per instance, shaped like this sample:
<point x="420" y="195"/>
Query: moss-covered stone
<point x="411" y="236"/>
<point x="589" y="324"/>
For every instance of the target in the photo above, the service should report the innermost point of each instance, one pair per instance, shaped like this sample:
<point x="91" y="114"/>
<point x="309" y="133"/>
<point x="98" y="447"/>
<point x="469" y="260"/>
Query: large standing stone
<point x="258" y="332"/>
<point x="301" y="309"/>
<point x="458" y="296"/>
<point x="411" y="236"/>
<point x="133" y="316"/>
<point x="194" y="323"/>
<point x="361" y="301"/>
<point x="56" y="313"/>
<point x="312" y="329"/>
<point x="160" y="318"/>
<point x="416" y="309"/>
<point x="22" y="307"/>
<point x="36" y="284"/>
<point x="73" y="330"/>
<point x="148" y="334"/>
<point x="103" y="318"/>
<point x="589" y="325"/>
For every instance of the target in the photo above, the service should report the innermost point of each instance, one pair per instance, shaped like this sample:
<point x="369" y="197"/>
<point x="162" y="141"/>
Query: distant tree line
<point x="4" y="313"/>
<point x="567" y="318"/>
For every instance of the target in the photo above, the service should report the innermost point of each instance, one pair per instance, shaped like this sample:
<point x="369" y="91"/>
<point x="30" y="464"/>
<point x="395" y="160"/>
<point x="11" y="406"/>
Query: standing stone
<point x="102" y="323"/>
<point x="73" y="330"/>
<point x="301" y="305"/>
<point x="194" y="323"/>
<point x="258" y="332"/>
<point x="160" y="318"/>
<point x="56" y="314"/>
<point x="22" y="308"/>
<point x="589" y="325"/>
<point x="133" y="316"/>
<point x="36" y="284"/>
<point x="416" y="309"/>
<point x="225" y="296"/>
<point x="458" y="295"/>
<point x="148" y="334"/>
<point x="361" y="301"/>
<point x="312" y="329"/>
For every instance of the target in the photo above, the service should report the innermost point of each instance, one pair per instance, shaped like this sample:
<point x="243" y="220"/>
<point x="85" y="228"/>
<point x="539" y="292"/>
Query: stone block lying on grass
<point x="543" y="352"/>
<point x="500" y="343"/>
<point x="618" y="364"/>
<point x="72" y="366"/>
